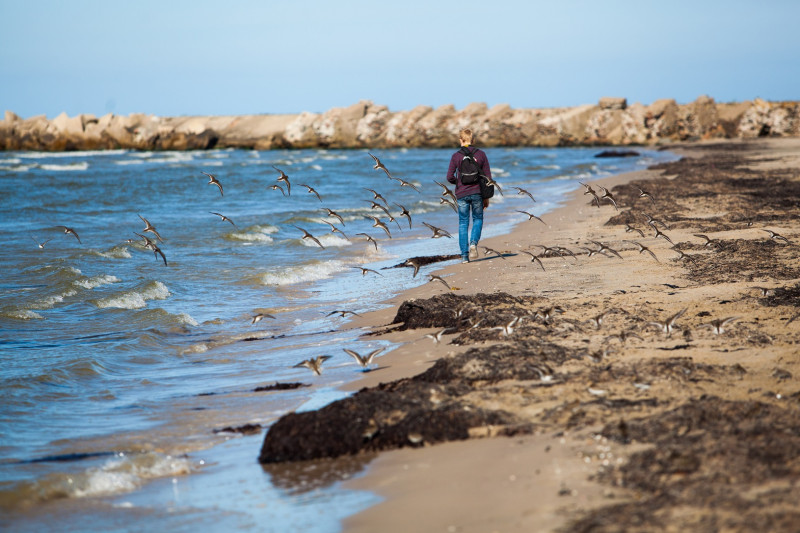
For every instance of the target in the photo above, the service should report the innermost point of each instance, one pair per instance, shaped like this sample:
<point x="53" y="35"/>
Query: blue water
<point x="126" y="366"/>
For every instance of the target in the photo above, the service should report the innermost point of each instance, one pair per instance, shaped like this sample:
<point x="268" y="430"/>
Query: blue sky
<point x="201" y="57"/>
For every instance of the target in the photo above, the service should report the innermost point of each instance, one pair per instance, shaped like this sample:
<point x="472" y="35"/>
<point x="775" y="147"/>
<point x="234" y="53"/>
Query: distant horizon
<point x="202" y="58"/>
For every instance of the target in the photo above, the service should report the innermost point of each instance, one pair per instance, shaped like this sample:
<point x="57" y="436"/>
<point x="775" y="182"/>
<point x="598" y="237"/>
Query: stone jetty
<point x="612" y="121"/>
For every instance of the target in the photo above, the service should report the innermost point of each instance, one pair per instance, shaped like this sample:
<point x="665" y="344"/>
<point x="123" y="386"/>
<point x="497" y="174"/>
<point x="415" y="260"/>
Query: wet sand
<point x="566" y="424"/>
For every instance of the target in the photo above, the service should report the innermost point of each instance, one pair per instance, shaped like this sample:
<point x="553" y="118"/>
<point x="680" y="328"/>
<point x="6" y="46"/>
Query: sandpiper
<point x="491" y="183"/>
<point x="434" y="277"/>
<point x="446" y="190"/>
<point x="508" y="328"/>
<point x="597" y="320"/>
<point x="379" y="224"/>
<point x="520" y="190"/>
<point x="414" y="264"/>
<point x="70" y="231"/>
<point x="284" y="178"/>
<point x="404" y="183"/>
<point x="534" y="258"/>
<point x="405" y="213"/>
<point x="260" y="316"/>
<point x="682" y="255"/>
<point x="661" y="234"/>
<point x="608" y="196"/>
<point x="709" y="240"/>
<point x="342" y="313"/>
<point x="653" y="221"/>
<point x="668" y="325"/>
<point x="437" y="232"/>
<point x="311" y="190"/>
<point x="381" y="166"/>
<point x="437" y="336"/>
<point x="363" y="360"/>
<point x="223" y="218"/>
<point x="376" y="195"/>
<point x="276" y="187"/>
<point x="531" y="216"/>
<point x="149" y="227"/>
<point x="765" y="291"/>
<point x="212" y="180"/>
<point x="718" y="325"/>
<point x="449" y="202"/>
<point x="151" y="245"/>
<point x="547" y="313"/>
<point x="629" y="229"/>
<point x="315" y="364"/>
<point x="776" y="236"/>
<point x="591" y="191"/>
<point x="643" y="248"/>
<point x="333" y="214"/>
<point x="365" y="270"/>
<point x="40" y="244"/>
<point x="604" y="248"/>
<point x="370" y="239"/>
<point x="623" y="336"/>
<point x="487" y="251"/>
<point x="645" y="194"/>
<point x="307" y="235"/>
<point x="334" y="229"/>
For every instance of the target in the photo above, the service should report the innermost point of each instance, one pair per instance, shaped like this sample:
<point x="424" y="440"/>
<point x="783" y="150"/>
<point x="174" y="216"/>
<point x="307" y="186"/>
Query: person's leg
<point x="464" y="208"/>
<point x="477" y="219"/>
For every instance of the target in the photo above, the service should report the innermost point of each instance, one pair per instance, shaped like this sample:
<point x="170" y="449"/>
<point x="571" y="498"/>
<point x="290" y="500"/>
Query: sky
<point x="200" y="57"/>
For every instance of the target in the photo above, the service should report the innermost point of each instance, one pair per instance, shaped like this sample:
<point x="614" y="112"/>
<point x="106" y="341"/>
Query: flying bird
<point x="212" y="180"/>
<point x="370" y="239"/>
<point x="363" y="360"/>
<point x="405" y="213"/>
<point x="284" y="178"/>
<point x="40" y="244"/>
<point x="311" y="190"/>
<point x="380" y="166"/>
<point x="315" y="364"/>
<point x="223" y="218"/>
<point x="70" y="231"/>
<point x="520" y="190"/>
<point x="149" y="227"/>
<point x="307" y="235"/>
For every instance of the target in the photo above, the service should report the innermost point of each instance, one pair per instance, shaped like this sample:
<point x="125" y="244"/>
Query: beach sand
<point x="572" y="428"/>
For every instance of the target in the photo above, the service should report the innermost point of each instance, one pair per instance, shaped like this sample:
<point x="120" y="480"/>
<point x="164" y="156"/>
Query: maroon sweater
<point x="455" y="164"/>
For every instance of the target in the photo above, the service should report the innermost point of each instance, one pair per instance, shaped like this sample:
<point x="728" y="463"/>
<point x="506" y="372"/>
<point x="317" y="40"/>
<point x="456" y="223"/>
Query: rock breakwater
<point x="612" y="121"/>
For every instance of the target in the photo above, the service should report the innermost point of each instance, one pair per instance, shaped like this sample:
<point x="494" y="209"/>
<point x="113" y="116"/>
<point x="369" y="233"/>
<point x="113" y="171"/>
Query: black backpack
<point x="469" y="170"/>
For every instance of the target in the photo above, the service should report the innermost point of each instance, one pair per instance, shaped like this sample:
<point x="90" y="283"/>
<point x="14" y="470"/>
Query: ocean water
<point x="118" y="370"/>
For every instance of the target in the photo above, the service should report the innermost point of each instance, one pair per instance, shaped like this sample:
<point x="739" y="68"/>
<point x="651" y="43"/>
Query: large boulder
<point x="611" y="102"/>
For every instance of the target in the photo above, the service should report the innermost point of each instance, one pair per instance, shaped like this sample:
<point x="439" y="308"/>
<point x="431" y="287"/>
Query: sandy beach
<point x="593" y="411"/>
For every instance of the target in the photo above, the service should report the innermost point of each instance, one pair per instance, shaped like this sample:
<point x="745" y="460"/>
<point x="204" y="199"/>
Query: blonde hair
<point x="466" y="136"/>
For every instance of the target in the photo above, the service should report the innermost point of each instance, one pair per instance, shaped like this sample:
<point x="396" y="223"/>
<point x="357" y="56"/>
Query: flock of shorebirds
<point x="447" y="197"/>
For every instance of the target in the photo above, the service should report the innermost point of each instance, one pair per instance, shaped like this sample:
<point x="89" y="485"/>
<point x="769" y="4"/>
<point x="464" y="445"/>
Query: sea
<point x="125" y="370"/>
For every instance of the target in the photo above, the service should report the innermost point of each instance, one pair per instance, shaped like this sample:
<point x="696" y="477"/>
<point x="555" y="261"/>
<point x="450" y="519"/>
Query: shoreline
<point x="553" y="468"/>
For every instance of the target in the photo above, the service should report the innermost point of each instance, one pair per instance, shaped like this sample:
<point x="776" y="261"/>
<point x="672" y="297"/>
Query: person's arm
<point x="451" y="172"/>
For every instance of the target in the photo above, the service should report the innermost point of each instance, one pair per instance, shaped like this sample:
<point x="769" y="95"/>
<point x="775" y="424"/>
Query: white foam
<point x="83" y="153"/>
<point x="49" y="302"/>
<point x="22" y="314"/>
<point x="328" y="240"/>
<point x="187" y="319"/>
<point x="303" y="273"/>
<point x="250" y="237"/>
<point x="137" y="298"/>
<point x="316" y="167"/>
<point x="83" y="165"/>
<point x="117" y="252"/>
<point x="129" y="162"/>
<point x="96" y="281"/>
<point x="10" y="161"/>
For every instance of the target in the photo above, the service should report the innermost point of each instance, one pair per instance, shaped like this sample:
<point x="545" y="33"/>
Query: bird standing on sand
<point x="70" y="231"/>
<point x="307" y="235"/>
<point x="315" y="364"/>
<point x="212" y="180"/>
<point x="285" y="179"/>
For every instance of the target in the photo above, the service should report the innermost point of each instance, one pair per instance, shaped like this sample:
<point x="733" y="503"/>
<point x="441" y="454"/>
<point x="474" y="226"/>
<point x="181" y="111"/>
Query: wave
<point x="10" y="161"/>
<point x="136" y="298"/>
<point x="118" y="475"/>
<point x="81" y="153"/>
<point x="21" y="314"/>
<point x="17" y="168"/>
<point x="328" y="240"/>
<point x="117" y="252"/>
<point x="83" y="165"/>
<point x="96" y="281"/>
<point x="302" y="274"/>
<point x="254" y="234"/>
<point x="129" y="162"/>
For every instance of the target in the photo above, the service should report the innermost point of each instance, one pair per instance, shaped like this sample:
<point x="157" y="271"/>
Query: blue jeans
<point x="474" y="204"/>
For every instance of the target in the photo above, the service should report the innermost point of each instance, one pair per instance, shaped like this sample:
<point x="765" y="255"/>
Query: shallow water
<point x="116" y="368"/>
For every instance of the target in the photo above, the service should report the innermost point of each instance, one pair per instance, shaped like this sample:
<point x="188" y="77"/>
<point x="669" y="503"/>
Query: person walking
<point x="464" y="164"/>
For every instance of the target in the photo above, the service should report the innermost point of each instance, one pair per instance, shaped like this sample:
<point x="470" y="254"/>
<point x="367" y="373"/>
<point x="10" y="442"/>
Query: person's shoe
<point x="465" y="259"/>
<point x="473" y="251"/>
